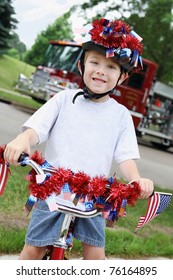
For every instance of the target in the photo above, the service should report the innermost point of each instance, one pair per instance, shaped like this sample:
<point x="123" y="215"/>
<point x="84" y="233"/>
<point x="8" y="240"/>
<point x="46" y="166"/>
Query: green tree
<point x="156" y="27"/>
<point x="59" y="30"/>
<point x="17" y="48"/>
<point x="7" y="24"/>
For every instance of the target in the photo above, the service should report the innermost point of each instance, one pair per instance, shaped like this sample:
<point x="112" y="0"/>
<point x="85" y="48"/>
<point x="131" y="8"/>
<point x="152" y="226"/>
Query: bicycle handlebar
<point x="24" y="160"/>
<point x="107" y="195"/>
<point x="78" y="213"/>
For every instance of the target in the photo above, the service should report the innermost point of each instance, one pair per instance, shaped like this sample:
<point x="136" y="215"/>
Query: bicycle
<point x="108" y="200"/>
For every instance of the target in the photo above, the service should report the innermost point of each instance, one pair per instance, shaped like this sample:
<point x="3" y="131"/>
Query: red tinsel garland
<point x="120" y="191"/>
<point x="80" y="184"/>
<point x="37" y="157"/>
<point x="83" y="185"/>
<point x="45" y="189"/>
<point x="98" y="186"/>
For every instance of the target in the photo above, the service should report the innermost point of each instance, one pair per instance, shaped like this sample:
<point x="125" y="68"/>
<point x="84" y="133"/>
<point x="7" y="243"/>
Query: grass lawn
<point x="10" y="68"/>
<point x="154" y="239"/>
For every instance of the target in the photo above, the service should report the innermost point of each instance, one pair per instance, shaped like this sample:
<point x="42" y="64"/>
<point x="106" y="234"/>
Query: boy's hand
<point x="147" y="187"/>
<point x="21" y="144"/>
<point x="14" y="149"/>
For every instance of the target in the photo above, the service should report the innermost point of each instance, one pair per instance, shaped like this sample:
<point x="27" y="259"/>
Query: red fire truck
<point x="149" y="102"/>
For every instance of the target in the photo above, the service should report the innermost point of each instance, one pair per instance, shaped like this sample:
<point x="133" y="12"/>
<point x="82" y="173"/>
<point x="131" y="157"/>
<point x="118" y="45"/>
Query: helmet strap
<point x="87" y="95"/>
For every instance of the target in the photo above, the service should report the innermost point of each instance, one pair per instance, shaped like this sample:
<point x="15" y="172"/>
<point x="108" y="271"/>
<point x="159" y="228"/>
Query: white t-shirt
<point x="84" y="136"/>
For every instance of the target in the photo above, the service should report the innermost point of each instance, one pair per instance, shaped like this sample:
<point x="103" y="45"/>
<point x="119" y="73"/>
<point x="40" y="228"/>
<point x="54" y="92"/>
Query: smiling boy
<point x="85" y="130"/>
<point x="101" y="74"/>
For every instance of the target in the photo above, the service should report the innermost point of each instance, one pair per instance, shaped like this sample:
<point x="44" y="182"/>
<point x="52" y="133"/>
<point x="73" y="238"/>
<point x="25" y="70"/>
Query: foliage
<point x="13" y="53"/>
<point x="59" y="30"/>
<point x="17" y="45"/>
<point x="157" y="36"/>
<point x="7" y="24"/>
<point x="121" y="8"/>
<point x="36" y="54"/>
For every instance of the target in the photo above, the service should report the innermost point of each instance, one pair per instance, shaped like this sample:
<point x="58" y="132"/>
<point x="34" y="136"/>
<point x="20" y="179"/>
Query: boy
<point x="85" y="130"/>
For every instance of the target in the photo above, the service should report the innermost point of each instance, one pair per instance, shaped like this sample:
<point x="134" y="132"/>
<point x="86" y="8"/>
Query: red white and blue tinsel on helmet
<point x="118" y="40"/>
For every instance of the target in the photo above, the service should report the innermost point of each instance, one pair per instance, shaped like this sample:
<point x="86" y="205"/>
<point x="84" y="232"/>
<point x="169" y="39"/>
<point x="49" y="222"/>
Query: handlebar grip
<point x="152" y="194"/>
<point x="22" y="158"/>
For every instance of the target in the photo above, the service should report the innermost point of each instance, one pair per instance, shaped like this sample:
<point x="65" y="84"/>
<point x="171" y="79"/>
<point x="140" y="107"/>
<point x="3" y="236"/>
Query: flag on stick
<point x="4" y="171"/>
<point x="156" y="205"/>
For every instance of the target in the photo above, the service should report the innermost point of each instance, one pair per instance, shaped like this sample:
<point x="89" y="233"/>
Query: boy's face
<point x="101" y="74"/>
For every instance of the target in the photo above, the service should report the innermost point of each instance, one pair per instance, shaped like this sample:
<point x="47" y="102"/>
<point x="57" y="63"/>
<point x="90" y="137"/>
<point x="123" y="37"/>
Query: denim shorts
<point x="44" y="227"/>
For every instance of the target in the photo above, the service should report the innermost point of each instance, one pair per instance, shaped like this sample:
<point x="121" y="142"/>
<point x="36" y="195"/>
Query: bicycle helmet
<point x="113" y="39"/>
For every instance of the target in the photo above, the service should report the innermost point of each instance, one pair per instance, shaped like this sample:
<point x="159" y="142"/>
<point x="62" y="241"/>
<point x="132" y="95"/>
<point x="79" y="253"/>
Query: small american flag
<point x="156" y="205"/>
<point x="4" y="171"/>
<point x="66" y="191"/>
<point x="122" y="211"/>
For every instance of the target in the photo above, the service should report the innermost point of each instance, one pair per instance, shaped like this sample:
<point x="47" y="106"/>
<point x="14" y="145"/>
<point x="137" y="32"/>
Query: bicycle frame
<point x="57" y="251"/>
<point x="60" y="244"/>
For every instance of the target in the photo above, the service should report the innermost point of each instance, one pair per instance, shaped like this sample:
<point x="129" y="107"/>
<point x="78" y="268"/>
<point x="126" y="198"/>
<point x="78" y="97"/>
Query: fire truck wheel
<point x="163" y="145"/>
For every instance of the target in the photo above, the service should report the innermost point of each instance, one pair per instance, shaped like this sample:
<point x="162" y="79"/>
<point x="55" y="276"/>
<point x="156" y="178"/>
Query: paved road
<point x="154" y="163"/>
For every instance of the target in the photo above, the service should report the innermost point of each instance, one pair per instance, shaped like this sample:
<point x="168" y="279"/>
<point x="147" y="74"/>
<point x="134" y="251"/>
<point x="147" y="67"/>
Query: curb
<point x="16" y="257"/>
<point x="9" y="257"/>
<point x="17" y="105"/>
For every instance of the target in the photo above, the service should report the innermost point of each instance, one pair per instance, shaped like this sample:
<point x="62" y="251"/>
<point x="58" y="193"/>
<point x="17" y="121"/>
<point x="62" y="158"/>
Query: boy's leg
<point x="93" y="252"/>
<point x="32" y="253"/>
<point x="91" y="232"/>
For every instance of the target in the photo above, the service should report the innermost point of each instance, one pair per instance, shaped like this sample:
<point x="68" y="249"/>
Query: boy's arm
<point x="22" y="143"/>
<point x="130" y="171"/>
